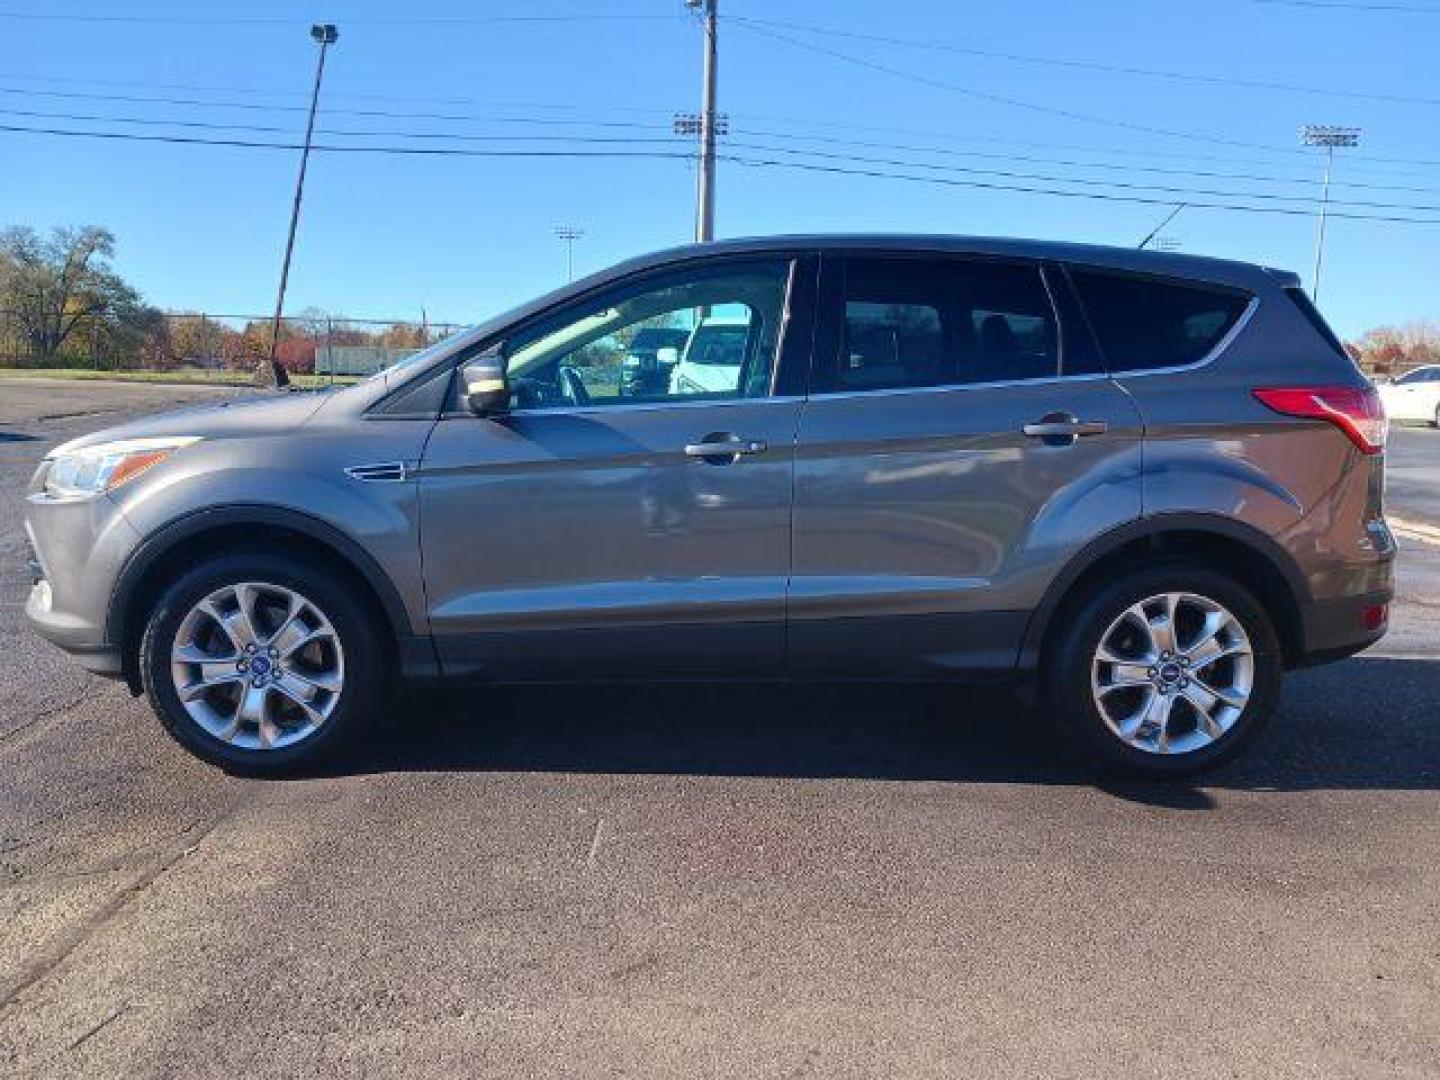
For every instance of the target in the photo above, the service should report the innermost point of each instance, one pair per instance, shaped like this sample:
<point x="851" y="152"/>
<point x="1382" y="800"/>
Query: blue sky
<point x="200" y="227"/>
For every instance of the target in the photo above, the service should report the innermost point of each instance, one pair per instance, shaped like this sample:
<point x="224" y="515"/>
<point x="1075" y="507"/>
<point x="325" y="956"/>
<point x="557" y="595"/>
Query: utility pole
<point x="569" y="234"/>
<point x="705" y="194"/>
<point x="1329" y="137"/>
<point x="325" y="35"/>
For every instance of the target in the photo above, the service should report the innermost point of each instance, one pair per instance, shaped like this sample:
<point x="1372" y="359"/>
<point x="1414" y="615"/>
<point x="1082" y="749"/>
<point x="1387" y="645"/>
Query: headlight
<point x="106" y="466"/>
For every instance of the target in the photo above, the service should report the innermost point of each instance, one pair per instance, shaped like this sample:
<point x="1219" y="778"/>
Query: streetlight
<point x="325" y="35"/>
<point x="569" y="234"/>
<point x="1329" y="137"/>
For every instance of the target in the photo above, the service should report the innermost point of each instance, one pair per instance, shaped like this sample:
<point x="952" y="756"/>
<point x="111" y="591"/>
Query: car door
<point x="588" y="533"/>
<point x="958" y="447"/>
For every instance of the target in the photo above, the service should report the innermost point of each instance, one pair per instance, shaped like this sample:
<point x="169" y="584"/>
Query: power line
<point x="1120" y="184"/>
<point x="1072" y="163"/>
<point x="393" y="114"/>
<point x="1337" y="5"/>
<point x="272" y="129"/>
<point x="479" y="20"/>
<point x="603" y="140"/>
<point x="1030" y="190"/>
<point x="418" y="151"/>
<point x="1046" y="109"/>
<point x="1002" y="99"/>
<point x="551" y="121"/>
<point x="1085" y="65"/>
<point x="757" y="162"/>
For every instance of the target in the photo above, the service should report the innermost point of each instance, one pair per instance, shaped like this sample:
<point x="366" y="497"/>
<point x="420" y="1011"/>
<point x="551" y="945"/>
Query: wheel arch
<point x="1239" y="550"/>
<point x="240" y="528"/>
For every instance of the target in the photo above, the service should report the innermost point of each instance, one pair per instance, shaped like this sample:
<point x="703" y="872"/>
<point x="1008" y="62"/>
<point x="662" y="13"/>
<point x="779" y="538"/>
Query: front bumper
<point x="77" y="549"/>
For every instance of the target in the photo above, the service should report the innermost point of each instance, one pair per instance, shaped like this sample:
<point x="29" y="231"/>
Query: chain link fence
<point x="200" y="345"/>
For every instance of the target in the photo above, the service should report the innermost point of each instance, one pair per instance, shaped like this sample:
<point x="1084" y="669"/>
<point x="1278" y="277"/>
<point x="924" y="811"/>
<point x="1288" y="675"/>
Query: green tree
<point x="54" y="287"/>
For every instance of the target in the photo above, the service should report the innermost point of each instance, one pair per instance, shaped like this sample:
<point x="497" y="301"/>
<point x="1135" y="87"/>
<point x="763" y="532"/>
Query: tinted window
<point x="722" y="321"/>
<point x="1143" y="323"/>
<point x="938" y="322"/>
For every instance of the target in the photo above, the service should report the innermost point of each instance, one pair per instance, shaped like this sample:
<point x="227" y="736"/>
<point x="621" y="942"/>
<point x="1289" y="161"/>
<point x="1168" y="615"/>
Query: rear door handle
<point x="730" y="447"/>
<point x="1065" y="428"/>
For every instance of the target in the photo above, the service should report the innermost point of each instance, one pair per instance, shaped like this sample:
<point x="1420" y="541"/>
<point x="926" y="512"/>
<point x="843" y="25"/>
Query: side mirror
<point x="668" y="355"/>
<point x="483" y="389"/>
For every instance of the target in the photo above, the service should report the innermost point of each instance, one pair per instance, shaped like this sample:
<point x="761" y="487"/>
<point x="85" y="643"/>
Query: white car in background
<point x="1414" y="396"/>
<point x="712" y="358"/>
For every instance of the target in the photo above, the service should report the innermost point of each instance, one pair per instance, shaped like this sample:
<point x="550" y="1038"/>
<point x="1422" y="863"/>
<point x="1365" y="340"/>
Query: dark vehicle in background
<point x="1140" y="485"/>
<point x="644" y="370"/>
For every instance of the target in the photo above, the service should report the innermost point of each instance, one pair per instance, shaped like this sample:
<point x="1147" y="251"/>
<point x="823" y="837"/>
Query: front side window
<point x="1144" y="323"/>
<point x="913" y="322"/>
<point x="707" y="332"/>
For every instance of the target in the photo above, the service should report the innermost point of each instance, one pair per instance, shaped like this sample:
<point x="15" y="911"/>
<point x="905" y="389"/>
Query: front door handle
<point x="1062" y="429"/>
<point x="723" y="448"/>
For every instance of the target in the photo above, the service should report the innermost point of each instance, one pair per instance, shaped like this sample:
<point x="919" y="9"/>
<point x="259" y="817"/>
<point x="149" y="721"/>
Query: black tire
<point x="1066" y="675"/>
<point x="353" y="622"/>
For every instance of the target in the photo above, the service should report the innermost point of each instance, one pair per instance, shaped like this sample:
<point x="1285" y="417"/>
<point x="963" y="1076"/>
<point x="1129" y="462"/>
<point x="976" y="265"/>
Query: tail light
<point x="1354" y="410"/>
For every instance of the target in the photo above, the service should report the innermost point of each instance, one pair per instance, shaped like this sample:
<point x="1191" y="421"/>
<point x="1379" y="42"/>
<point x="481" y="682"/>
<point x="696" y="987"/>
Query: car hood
<point x="245" y="414"/>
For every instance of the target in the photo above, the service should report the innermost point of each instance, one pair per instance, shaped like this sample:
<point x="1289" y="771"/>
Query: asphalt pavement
<point x="716" y="881"/>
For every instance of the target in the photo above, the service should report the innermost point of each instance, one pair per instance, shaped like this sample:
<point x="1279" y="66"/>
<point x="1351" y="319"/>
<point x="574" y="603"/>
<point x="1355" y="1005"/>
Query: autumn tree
<point x="54" y="287"/>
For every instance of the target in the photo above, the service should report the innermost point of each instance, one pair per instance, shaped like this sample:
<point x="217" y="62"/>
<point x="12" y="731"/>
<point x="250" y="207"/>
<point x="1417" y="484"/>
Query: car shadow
<point x="1362" y="724"/>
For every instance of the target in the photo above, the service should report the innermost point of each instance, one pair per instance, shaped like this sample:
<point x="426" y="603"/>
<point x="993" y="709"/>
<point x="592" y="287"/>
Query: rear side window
<point x="942" y="322"/>
<point x="1143" y="323"/>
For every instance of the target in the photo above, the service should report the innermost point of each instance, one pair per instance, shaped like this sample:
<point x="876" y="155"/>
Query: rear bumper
<point x="1335" y="629"/>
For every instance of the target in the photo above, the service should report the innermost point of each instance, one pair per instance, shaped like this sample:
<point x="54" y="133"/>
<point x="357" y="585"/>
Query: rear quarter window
<point x="1144" y="323"/>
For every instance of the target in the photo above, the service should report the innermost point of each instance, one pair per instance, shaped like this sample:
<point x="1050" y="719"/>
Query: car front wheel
<point x="261" y="664"/>
<point x="1165" y="672"/>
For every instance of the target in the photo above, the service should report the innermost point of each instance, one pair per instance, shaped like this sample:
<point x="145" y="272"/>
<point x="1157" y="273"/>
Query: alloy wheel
<point x="258" y="666"/>
<point x="1173" y="673"/>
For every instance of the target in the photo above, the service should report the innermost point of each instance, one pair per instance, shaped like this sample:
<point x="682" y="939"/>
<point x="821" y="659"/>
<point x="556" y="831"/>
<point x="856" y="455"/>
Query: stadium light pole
<point x="325" y="35"/>
<point x="569" y="234"/>
<point x="1329" y="137"/>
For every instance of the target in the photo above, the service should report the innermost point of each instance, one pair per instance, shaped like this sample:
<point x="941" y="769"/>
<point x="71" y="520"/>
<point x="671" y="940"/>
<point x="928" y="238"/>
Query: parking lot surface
<point x="728" y="881"/>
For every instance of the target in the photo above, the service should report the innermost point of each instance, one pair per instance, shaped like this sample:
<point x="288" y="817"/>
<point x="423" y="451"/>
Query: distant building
<point x="356" y="359"/>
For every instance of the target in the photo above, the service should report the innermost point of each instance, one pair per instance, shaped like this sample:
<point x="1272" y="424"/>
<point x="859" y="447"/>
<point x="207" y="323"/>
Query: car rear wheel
<point x="1165" y="671"/>
<point x="261" y="664"/>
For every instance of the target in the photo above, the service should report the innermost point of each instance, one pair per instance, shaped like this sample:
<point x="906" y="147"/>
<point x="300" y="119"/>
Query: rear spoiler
<point x="1286" y="279"/>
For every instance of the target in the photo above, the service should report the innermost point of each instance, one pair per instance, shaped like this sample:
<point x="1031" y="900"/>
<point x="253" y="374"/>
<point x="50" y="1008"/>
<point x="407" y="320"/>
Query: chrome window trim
<point x="638" y="406"/>
<point x="1220" y="346"/>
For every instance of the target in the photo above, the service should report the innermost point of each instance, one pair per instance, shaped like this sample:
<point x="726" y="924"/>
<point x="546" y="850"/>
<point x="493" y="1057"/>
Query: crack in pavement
<point x="57" y="954"/>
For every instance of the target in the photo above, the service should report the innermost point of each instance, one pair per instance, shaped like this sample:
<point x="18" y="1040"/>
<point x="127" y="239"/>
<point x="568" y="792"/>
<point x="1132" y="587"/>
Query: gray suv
<point x="1141" y="485"/>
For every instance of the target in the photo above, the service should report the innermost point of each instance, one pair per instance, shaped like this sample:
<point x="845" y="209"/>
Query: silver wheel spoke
<point x="211" y="676"/>
<point x="1162" y="626"/>
<point x="238" y="624"/>
<point x="288" y="689"/>
<point x="305" y="686"/>
<point x="299" y="639"/>
<point x="1232" y="697"/>
<point x="289" y="626"/>
<point x="191" y="654"/>
<point x="1126" y="676"/>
